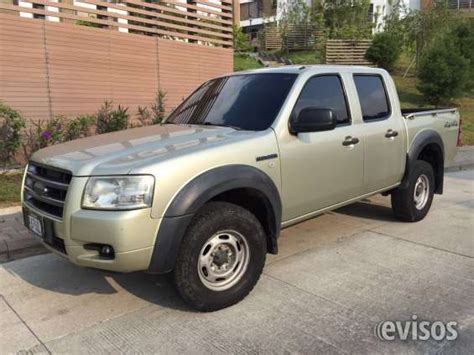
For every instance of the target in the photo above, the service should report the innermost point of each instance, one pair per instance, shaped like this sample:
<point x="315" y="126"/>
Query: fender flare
<point x="422" y="140"/>
<point x="196" y="193"/>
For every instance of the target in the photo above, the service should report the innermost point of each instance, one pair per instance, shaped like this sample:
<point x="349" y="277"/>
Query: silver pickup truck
<point x="205" y="194"/>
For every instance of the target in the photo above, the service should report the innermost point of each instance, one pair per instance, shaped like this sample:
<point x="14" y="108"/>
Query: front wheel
<point x="221" y="257"/>
<point x="411" y="204"/>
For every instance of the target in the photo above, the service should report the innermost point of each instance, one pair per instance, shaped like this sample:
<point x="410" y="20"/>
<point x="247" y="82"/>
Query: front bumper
<point x="132" y="234"/>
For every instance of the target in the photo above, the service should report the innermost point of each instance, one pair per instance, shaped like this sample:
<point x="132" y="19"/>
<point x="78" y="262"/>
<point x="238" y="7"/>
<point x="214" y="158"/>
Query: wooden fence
<point x="298" y="38"/>
<point x="52" y="66"/>
<point x="198" y="21"/>
<point x="347" y="52"/>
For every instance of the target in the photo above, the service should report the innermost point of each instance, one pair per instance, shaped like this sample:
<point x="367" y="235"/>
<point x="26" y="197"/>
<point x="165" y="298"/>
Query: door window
<point x="372" y="97"/>
<point x="324" y="91"/>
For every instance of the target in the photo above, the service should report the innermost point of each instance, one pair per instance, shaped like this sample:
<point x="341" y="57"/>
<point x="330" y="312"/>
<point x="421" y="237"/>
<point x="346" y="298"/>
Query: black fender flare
<point x="422" y="140"/>
<point x="200" y="190"/>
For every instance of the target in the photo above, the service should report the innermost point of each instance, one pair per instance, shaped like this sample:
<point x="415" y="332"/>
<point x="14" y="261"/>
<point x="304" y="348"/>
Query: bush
<point x="158" y="108"/>
<point x="384" y="51"/>
<point x="158" y="111"/>
<point x="144" y="116"/>
<point x="110" y="119"/>
<point x="463" y="36"/>
<point x="79" y="127"/>
<point x="11" y="124"/>
<point x="42" y="133"/>
<point x="442" y="73"/>
<point x="241" y="41"/>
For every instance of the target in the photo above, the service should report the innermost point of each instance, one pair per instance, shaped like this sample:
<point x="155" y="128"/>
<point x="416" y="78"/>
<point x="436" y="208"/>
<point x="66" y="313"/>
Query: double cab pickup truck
<point x="204" y="195"/>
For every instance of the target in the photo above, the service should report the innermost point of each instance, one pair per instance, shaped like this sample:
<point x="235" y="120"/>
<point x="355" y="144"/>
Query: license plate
<point x="35" y="224"/>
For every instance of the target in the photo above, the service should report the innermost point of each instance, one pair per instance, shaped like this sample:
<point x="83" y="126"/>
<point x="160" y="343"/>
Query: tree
<point x="293" y="13"/>
<point x="442" y="72"/>
<point x="347" y="19"/>
<point x="384" y="51"/>
<point x="423" y="28"/>
<point x="241" y="41"/>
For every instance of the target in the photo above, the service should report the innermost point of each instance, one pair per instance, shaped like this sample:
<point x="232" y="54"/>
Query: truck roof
<point x="319" y="68"/>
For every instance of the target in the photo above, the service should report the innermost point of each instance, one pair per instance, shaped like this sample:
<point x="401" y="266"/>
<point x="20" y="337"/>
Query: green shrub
<point x="79" y="127"/>
<point x="144" y="116"/>
<point x="463" y="36"/>
<point x="157" y="113"/>
<point x="11" y="124"/>
<point x="241" y="41"/>
<point x="384" y="51"/>
<point x="158" y="108"/>
<point x="110" y="119"/>
<point x="42" y="133"/>
<point x="442" y="73"/>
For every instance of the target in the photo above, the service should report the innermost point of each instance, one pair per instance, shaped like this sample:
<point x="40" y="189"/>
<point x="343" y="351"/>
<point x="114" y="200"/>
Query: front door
<point x="320" y="169"/>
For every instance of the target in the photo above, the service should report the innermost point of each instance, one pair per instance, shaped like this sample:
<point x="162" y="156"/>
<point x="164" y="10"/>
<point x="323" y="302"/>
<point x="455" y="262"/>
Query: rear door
<point x="384" y="156"/>
<point x="320" y="169"/>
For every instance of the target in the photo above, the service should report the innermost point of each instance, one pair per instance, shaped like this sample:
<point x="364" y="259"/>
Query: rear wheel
<point x="221" y="257"/>
<point x="411" y="204"/>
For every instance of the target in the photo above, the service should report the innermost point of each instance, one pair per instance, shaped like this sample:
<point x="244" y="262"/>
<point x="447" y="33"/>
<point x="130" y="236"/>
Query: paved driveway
<point x="335" y="278"/>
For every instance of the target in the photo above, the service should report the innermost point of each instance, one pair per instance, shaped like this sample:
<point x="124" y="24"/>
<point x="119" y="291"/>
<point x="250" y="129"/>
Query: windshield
<point x="249" y="101"/>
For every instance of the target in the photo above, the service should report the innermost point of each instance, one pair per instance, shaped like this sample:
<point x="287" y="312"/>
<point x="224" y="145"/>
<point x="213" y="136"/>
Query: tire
<point x="220" y="228"/>
<point x="408" y="206"/>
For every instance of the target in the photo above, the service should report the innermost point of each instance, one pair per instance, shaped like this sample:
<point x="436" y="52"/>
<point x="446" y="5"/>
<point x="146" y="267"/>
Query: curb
<point x="459" y="167"/>
<point x="22" y="247"/>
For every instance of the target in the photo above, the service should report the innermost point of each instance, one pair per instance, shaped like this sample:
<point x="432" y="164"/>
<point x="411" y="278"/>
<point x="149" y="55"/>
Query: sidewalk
<point x="464" y="159"/>
<point x="17" y="242"/>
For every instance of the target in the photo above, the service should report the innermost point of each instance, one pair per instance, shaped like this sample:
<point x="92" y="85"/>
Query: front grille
<point x="46" y="188"/>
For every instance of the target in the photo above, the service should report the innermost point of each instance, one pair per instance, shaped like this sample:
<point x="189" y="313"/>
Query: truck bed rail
<point x="417" y="112"/>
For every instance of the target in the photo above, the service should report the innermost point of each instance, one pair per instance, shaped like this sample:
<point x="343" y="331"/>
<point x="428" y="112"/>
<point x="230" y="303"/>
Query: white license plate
<point x="35" y="225"/>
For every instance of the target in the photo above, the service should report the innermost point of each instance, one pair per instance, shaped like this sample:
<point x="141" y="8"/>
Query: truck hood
<point x="119" y="152"/>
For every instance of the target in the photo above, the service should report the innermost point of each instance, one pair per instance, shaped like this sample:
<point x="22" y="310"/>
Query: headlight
<point x="119" y="192"/>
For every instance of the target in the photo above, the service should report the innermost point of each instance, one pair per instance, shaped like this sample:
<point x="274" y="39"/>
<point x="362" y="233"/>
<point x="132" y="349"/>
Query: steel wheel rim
<point x="421" y="192"/>
<point x="223" y="260"/>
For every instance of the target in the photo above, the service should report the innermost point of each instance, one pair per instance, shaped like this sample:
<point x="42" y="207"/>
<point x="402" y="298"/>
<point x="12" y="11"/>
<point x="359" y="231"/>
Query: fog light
<point x="107" y="251"/>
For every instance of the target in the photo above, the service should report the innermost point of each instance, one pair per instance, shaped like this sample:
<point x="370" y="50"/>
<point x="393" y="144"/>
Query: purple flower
<point x="46" y="134"/>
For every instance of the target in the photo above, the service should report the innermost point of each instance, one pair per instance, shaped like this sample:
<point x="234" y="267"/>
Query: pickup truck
<point x="203" y="196"/>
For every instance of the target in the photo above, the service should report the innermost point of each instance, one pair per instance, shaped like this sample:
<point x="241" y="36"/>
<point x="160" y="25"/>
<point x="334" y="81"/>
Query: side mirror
<point x="314" y="119"/>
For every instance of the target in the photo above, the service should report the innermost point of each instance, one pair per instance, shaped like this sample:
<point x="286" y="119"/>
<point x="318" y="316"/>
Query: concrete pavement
<point x="335" y="278"/>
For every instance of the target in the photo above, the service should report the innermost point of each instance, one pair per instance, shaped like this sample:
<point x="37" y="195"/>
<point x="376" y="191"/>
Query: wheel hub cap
<point x="421" y="192"/>
<point x="223" y="260"/>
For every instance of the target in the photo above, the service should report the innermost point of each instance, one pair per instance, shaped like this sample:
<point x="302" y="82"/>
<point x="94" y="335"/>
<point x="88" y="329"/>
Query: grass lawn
<point x="10" y="185"/>
<point x="243" y="62"/>
<point x="304" y="57"/>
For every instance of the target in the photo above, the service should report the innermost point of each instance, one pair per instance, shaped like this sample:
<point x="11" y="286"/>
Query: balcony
<point x="254" y="12"/>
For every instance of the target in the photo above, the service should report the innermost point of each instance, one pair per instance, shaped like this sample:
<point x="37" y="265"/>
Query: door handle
<point x="391" y="134"/>
<point x="350" y="141"/>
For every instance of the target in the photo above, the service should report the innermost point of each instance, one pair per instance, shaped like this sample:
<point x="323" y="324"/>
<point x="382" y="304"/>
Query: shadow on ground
<point x="58" y="275"/>
<point x="368" y="210"/>
<point x="55" y="274"/>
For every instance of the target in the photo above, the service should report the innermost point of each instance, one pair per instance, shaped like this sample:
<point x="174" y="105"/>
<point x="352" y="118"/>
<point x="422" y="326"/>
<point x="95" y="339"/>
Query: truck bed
<point x="445" y="121"/>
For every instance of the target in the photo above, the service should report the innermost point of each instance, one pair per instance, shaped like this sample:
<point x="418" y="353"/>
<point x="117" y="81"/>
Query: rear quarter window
<point x="373" y="97"/>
